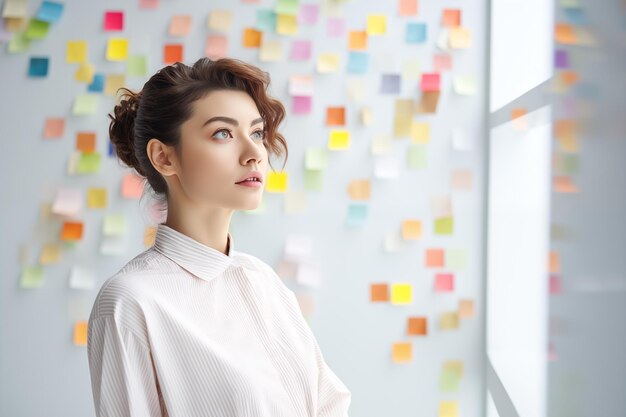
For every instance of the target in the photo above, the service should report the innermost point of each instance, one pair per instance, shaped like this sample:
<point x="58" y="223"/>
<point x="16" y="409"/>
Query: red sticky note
<point x="430" y="81"/>
<point x="132" y="186"/>
<point x="444" y="282"/>
<point x="72" y="231"/>
<point x="172" y="53"/>
<point x="113" y="20"/>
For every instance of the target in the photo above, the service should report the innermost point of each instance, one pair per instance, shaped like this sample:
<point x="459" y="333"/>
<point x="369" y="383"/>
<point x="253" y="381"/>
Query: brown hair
<point x="165" y="102"/>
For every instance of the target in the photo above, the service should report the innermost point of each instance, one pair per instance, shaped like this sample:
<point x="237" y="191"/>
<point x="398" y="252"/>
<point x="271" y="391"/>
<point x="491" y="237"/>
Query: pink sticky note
<point x="216" y="46"/>
<point x="442" y="62"/>
<point x="302" y="104"/>
<point x="308" y="14"/>
<point x="430" y="81"/>
<point x="336" y="26"/>
<point x="132" y="186"/>
<point x="148" y="4"/>
<point x="444" y="282"/>
<point x="54" y="128"/>
<point x="555" y="284"/>
<point x="113" y="20"/>
<point x="300" y="50"/>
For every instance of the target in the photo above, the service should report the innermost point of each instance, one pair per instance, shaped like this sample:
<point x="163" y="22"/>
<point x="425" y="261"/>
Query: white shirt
<point x="184" y="330"/>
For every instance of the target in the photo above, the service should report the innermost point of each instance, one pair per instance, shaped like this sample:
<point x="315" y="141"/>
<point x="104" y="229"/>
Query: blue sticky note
<point x="575" y="15"/>
<point x="50" y="11"/>
<point x="415" y="32"/>
<point x="390" y="84"/>
<point x="357" y="62"/>
<point x="357" y="214"/>
<point x="97" y="84"/>
<point x="38" y="67"/>
<point x="266" y="20"/>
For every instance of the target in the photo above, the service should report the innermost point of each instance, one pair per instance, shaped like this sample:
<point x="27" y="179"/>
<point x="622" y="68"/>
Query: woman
<point x="191" y="326"/>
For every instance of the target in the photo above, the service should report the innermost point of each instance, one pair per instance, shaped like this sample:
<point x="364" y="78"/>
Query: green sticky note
<point x="313" y="179"/>
<point x="85" y="104"/>
<point x="449" y="381"/>
<point x="456" y="259"/>
<point x="114" y="224"/>
<point x="287" y="6"/>
<point x="316" y="158"/>
<point x="18" y="43"/>
<point x="88" y="163"/>
<point x="32" y="276"/>
<point x="37" y="29"/>
<point x="266" y="20"/>
<point x="137" y="66"/>
<point x="357" y="214"/>
<point x="444" y="225"/>
<point x="416" y="156"/>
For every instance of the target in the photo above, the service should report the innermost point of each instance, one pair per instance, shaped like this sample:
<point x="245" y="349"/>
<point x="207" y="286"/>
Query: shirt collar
<point x="201" y="260"/>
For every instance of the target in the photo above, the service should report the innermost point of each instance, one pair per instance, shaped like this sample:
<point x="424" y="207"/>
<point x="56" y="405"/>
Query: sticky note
<point x="357" y="62"/>
<point x="428" y="102"/>
<point x="37" y="29"/>
<point x="50" y="254"/>
<point x="561" y="59"/>
<point x="287" y="6"/>
<point x="327" y="63"/>
<point x="390" y="83"/>
<point x="444" y="282"/>
<point x="302" y="104"/>
<point x="381" y="144"/>
<point x="417" y="326"/>
<point x="286" y="24"/>
<point x="300" y="50"/>
<point x="335" y="26"/>
<point x="316" y="158"/>
<point x="417" y="156"/>
<point x="564" y="33"/>
<point x="420" y="132"/>
<point x="313" y="179"/>
<point x="308" y="13"/>
<point x="449" y="320"/>
<point x="376" y="24"/>
<point x="367" y="116"/>
<point x="301" y="85"/>
<point x="221" y="20"/>
<point x="265" y="20"/>
<point x="72" y="231"/>
<point x="32" y="276"/>
<point x="450" y="378"/>
<point x="49" y="11"/>
<point x="180" y="25"/>
<point x="97" y="84"/>
<point x="460" y="37"/>
<point x="464" y="85"/>
<point x="308" y="273"/>
<point x="172" y="53"/>
<point x="117" y="49"/>
<point x="85" y="73"/>
<point x="132" y="186"/>
<point x="251" y="38"/>
<point x="295" y="202"/>
<point x="356" y="89"/>
<point x="88" y="163"/>
<point x="276" y="182"/>
<point x="114" y="224"/>
<point x="76" y="51"/>
<point x="379" y="292"/>
<point x="335" y="116"/>
<point x="462" y="179"/>
<point x="80" y="333"/>
<point x="456" y="259"/>
<point x="466" y="308"/>
<point x="18" y="43"/>
<point x="339" y="139"/>
<point x="113" y="21"/>
<point x="402" y="124"/>
<point x="67" y="202"/>
<point x="402" y="352"/>
<point x="448" y="409"/>
<point x="82" y="278"/>
<point x="407" y="8"/>
<point x="97" y="198"/>
<point x="112" y="245"/>
<point x="271" y="50"/>
<point x="54" y="127"/>
<point x="216" y="47"/>
<point x="451" y="17"/>
<point x="444" y="226"/>
<point x="416" y="32"/>
<point x="359" y="189"/>
<point x="411" y="229"/>
<point x="137" y="66"/>
<point x="430" y="81"/>
<point x="401" y="293"/>
<point x="357" y="214"/>
<point x="357" y="40"/>
<point x="434" y="258"/>
<point x="148" y="4"/>
<point x="149" y="235"/>
<point x="442" y="62"/>
<point x="38" y="67"/>
<point x="86" y="141"/>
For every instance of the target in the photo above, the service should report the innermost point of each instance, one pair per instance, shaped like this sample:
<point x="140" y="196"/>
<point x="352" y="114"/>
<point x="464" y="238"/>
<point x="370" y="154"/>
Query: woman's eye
<point x="222" y="134"/>
<point x="260" y="134"/>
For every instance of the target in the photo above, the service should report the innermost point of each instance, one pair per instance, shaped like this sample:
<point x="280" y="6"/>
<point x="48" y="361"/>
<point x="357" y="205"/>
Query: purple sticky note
<point x="308" y="14"/>
<point x="336" y="26"/>
<point x="300" y="50"/>
<point x="561" y="59"/>
<point x="390" y="84"/>
<point x="302" y="104"/>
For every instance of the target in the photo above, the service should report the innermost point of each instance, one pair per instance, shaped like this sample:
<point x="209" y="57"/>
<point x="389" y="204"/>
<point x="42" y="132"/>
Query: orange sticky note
<point x="417" y="326"/>
<point x="407" y="8"/>
<point x="402" y="352"/>
<point x="451" y="17"/>
<point x="466" y="308"/>
<point x="251" y="38"/>
<point x="428" y="102"/>
<point x="132" y="186"/>
<point x="72" y="231"/>
<point x="564" y="184"/>
<point x="335" y="116"/>
<point x="80" y="333"/>
<point x="564" y="33"/>
<point x="54" y="127"/>
<point x="357" y="40"/>
<point x="460" y="37"/>
<point x="180" y="25"/>
<point x="434" y="257"/>
<point x="86" y="141"/>
<point x="359" y="189"/>
<point x="172" y="53"/>
<point x="379" y="292"/>
<point x="411" y="229"/>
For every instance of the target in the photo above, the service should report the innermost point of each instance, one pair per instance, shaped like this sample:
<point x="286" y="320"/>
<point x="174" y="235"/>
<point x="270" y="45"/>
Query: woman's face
<point x="221" y="144"/>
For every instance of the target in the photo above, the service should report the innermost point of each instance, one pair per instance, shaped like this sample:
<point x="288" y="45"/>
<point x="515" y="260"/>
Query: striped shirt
<point x="184" y="330"/>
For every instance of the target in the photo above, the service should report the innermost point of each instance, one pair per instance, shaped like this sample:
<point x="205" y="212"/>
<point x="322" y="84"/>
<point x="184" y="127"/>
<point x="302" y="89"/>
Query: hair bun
<point x="122" y="128"/>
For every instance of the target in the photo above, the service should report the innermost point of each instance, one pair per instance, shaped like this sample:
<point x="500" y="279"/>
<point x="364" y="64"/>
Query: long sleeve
<point x="333" y="396"/>
<point x="122" y="375"/>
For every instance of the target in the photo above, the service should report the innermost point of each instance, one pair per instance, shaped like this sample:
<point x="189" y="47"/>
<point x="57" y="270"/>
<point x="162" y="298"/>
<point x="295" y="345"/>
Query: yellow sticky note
<point x="359" y="189"/>
<point x="84" y="73"/>
<point x="402" y="125"/>
<point x="376" y="24"/>
<point x="411" y="229"/>
<point x="97" y="198"/>
<point x="276" y="182"/>
<point x="271" y="50"/>
<point x="80" y="333"/>
<point x="76" y="52"/>
<point x="401" y="293"/>
<point x="466" y="308"/>
<point x="339" y="140"/>
<point x="449" y="320"/>
<point x="448" y="409"/>
<point x="420" y="132"/>
<point x="327" y="63"/>
<point x="286" y="24"/>
<point x="220" y="20"/>
<point x="50" y="254"/>
<point x="444" y="225"/>
<point x="460" y="37"/>
<point x="402" y="352"/>
<point x="117" y="49"/>
<point x="114" y="82"/>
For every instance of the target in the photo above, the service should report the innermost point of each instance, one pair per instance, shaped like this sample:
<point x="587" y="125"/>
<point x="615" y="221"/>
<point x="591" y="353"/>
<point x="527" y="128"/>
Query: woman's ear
<point x="162" y="157"/>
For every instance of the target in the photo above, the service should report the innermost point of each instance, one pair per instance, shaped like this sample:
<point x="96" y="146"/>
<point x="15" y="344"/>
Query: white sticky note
<point x="82" y="278"/>
<point x="308" y="273"/>
<point x="68" y="202"/>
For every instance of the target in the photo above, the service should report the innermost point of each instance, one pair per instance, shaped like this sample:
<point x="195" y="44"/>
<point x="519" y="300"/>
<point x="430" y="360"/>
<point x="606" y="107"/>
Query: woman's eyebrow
<point x="230" y="120"/>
